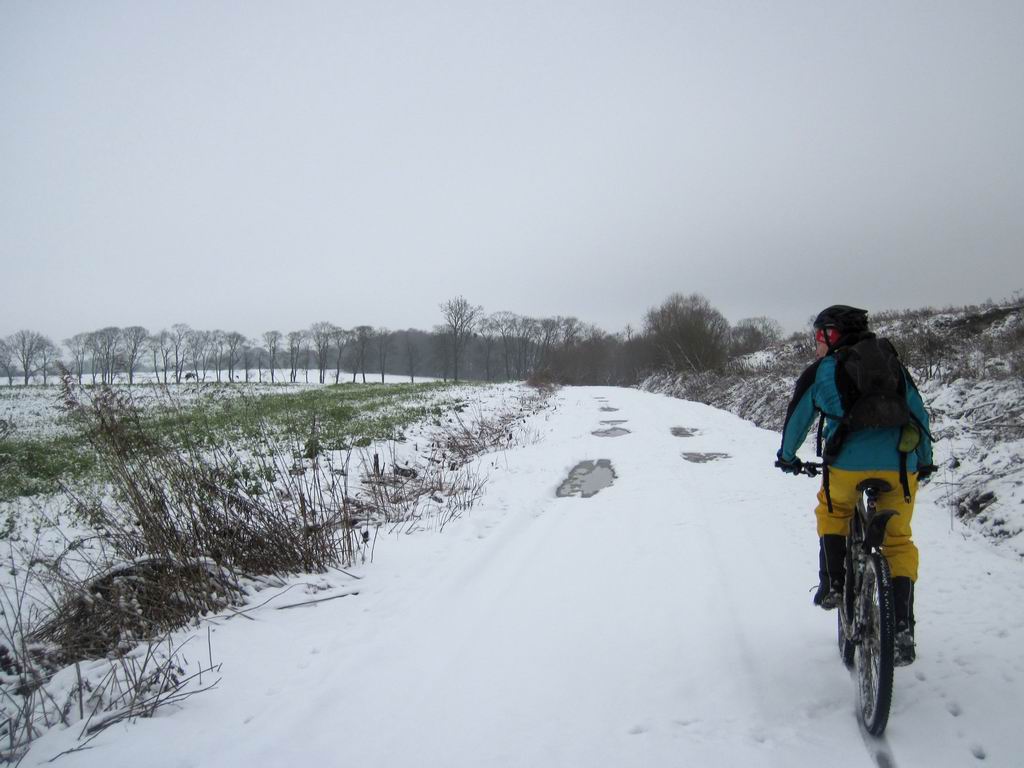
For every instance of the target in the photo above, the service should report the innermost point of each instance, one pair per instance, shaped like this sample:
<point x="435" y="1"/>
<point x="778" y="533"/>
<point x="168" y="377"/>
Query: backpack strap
<point x="821" y="430"/>
<point x="921" y="426"/>
<point x="824" y="486"/>
<point x="904" y="480"/>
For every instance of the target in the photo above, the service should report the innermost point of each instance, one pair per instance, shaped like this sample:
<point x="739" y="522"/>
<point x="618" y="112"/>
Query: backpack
<point x="872" y="384"/>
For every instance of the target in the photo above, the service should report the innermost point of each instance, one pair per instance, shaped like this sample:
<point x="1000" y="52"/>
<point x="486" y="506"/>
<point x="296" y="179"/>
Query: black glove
<point x="923" y="473"/>
<point x="794" y="465"/>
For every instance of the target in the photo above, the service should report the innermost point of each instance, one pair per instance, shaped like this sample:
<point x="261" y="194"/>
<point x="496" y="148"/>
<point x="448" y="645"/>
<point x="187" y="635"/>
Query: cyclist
<point x="862" y="453"/>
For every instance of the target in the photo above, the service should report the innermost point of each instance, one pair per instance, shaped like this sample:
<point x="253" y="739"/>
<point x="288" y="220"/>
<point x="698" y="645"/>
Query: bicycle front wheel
<point x="874" y="654"/>
<point x="845" y="621"/>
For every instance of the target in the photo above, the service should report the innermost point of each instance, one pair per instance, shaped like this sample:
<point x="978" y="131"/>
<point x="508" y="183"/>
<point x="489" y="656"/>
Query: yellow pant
<point x="898" y="547"/>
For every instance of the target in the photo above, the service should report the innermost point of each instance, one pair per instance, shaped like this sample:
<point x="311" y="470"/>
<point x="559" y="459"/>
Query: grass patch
<point x="29" y="467"/>
<point x="346" y="415"/>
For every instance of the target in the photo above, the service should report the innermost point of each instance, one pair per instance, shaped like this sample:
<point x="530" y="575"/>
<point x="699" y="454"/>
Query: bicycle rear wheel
<point x="874" y="651"/>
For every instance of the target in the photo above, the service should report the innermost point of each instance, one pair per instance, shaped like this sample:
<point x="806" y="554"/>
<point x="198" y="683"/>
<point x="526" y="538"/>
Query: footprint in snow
<point x="954" y="709"/>
<point x="704" y="458"/>
<point x="587" y="478"/>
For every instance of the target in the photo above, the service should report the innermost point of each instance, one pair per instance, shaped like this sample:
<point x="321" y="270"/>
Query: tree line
<point x="684" y="333"/>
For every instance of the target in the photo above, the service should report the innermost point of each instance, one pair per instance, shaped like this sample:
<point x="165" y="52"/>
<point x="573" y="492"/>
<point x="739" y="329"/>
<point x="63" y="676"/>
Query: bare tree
<point x="320" y="334"/>
<point x="527" y="345"/>
<point x="92" y="345"/>
<point x="218" y="340"/>
<point x="7" y="361"/>
<point x="133" y="339"/>
<point x="294" y="346"/>
<point x="385" y="343"/>
<point x="688" y="333"/>
<point x="294" y="350"/>
<point x="259" y="355"/>
<point x="571" y="331"/>
<point x="233" y="345"/>
<point x="924" y="349"/>
<point x="489" y="330"/>
<point x="362" y="336"/>
<point x="165" y="344"/>
<point x="197" y="347"/>
<point x="506" y="323"/>
<point x="340" y="339"/>
<point x="26" y="347"/>
<point x="107" y="351"/>
<point x="78" y="347"/>
<point x="305" y="353"/>
<point x="179" y="338"/>
<point x="47" y="355"/>
<point x="153" y="347"/>
<point x="411" y="355"/>
<point x="549" y="331"/>
<point x="272" y="339"/>
<point x="250" y="351"/>
<point x="461" y="319"/>
<point x="753" y="334"/>
<point x="442" y="344"/>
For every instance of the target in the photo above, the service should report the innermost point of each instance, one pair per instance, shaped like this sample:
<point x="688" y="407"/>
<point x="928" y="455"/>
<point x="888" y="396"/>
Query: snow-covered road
<point x="664" y="621"/>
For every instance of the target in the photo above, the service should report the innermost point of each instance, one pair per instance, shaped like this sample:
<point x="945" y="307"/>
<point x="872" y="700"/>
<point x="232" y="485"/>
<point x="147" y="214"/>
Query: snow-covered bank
<point x="665" y="620"/>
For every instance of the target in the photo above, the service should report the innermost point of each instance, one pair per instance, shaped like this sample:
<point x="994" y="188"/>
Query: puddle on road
<point x="587" y="478"/>
<point x="608" y="409"/>
<point x="684" y="432"/>
<point x="704" y="458"/>
<point x="611" y="432"/>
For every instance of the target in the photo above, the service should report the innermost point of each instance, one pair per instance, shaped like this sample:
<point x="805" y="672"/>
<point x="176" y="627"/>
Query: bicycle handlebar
<point x="809" y="468"/>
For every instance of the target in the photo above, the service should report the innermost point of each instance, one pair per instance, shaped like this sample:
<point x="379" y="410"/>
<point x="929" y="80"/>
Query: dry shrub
<point x="185" y="521"/>
<point x="254" y="509"/>
<point x="542" y="379"/>
<point x="134" y="601"/>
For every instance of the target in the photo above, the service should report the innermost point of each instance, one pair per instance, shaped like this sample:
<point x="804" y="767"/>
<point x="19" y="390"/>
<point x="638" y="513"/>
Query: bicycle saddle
<point x="874" y="484"/>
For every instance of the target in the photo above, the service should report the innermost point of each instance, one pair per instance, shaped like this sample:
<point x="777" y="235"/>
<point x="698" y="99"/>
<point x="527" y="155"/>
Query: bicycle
<point x="866" y="620"/>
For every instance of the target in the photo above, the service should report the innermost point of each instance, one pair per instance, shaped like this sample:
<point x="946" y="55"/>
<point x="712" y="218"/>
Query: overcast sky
<point x="255" y="165"/>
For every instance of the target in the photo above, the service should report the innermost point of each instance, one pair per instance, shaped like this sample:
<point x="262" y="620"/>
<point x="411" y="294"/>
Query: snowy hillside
<point x="969" y="365"/>
<point x="648" y="608"/>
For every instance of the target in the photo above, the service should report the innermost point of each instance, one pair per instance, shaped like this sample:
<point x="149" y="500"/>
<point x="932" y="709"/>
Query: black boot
<point x="903" y="599"/>
<point x="831" y="571"/>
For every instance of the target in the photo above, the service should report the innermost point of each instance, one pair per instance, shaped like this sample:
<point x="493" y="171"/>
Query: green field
<point x="340" y="417"/>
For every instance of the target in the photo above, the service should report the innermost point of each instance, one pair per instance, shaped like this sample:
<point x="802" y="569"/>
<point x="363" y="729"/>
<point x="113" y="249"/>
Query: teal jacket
<point x="866" y="449"/>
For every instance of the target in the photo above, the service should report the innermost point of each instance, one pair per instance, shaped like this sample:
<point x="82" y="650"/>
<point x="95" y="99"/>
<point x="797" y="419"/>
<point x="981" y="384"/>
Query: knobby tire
<point x="874" y="651"/>
<point x="844" y="617"/>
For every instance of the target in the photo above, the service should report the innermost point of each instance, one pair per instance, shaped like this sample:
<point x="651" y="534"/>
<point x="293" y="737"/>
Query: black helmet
<point x="845" y="319"/>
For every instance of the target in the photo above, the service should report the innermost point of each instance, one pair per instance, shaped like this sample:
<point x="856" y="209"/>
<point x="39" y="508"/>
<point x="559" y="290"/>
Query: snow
<point x="664" y="621"/>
